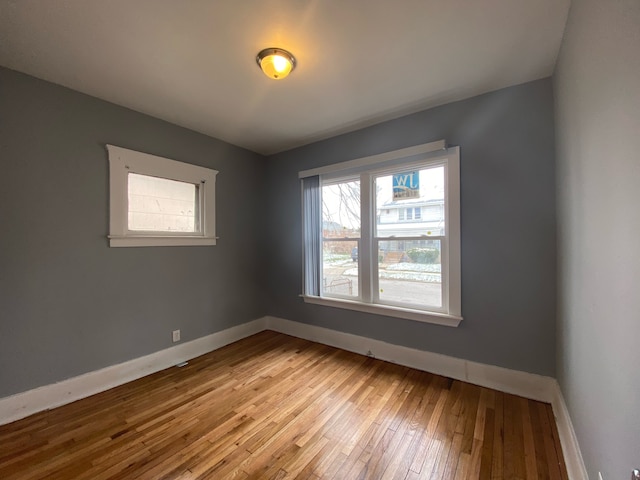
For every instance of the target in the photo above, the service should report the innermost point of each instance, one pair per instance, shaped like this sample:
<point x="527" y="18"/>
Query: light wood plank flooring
<point x="273" y="407"/>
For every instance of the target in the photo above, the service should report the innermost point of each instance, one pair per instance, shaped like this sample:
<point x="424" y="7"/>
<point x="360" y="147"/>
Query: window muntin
<point x="155" y="201"/>
<point x="433" y="235"/>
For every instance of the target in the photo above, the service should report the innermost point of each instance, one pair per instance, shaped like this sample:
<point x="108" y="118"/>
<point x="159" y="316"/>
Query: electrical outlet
<point x="176" y="336"/>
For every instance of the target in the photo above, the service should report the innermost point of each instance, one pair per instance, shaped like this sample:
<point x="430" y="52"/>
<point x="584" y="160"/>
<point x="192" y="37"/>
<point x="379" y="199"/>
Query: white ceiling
<point x="192" y="62"/>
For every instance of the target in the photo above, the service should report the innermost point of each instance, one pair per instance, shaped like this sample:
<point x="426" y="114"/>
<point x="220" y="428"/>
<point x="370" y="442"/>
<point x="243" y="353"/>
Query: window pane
<point x="409" y="272"/>
<point x="162" y="205"/>
<point x="341" y="210"/>
<point x="340" y="268"/>
<point x="411" y="214"/>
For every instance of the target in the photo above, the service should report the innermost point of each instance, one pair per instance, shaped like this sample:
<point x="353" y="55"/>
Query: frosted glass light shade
<point x="276" y="63"/>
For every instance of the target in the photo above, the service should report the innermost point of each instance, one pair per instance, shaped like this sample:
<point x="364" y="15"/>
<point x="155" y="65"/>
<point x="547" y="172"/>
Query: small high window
<point x="155" y="201"/>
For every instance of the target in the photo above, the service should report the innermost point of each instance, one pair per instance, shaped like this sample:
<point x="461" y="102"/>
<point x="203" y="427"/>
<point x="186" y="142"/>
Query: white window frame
<point x="420" y="156"/>
<point x="123" y="161"/>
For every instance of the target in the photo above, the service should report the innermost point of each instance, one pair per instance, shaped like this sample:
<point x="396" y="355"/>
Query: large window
<point x="370" y="248"/>
<point x="155" y="201"/>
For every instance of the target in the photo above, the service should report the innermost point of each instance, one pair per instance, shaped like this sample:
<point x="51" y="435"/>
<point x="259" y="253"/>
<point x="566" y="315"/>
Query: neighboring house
<point x="404" y="218"/>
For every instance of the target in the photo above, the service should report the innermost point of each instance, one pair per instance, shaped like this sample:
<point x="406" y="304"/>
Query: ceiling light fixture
<point x="276" y="63"/>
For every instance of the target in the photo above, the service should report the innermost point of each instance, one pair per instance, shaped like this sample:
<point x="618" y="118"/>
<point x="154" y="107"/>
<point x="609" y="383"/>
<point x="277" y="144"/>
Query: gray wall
<point x="69" y="304"/>
<point x="508" y="228"/>
<point x="597" y="86"/>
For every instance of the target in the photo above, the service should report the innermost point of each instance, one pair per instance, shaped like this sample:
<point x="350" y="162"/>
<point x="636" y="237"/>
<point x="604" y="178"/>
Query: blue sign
<point x="406" y="185"/>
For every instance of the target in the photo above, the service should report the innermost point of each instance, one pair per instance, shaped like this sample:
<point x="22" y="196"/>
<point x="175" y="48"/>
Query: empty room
<point x="318" y="239"/>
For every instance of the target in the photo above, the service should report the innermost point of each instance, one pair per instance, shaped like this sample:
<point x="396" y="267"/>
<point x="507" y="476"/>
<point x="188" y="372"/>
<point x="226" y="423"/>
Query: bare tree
<point x="341" y="205"/>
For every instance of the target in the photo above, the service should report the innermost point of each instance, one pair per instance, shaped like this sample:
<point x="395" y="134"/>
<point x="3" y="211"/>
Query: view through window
<point x="341" y="238"/>
<point x="162" y="205"/>
<point x="409" y="260"/>
<point x="408" y="232"/>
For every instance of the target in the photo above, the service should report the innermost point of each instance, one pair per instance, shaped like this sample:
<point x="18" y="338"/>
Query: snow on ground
<point x="415" y="267"/>
<point x="417" y="272"/>
<point x="401" y="275"/>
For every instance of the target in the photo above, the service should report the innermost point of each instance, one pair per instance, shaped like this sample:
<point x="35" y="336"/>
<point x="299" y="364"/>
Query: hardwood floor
<point x="274" y="406"/>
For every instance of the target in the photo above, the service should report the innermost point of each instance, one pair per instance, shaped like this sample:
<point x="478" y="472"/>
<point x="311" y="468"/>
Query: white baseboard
<point x="570" y="447"/>
<point x="26" y="403"/>
<point x="528" y="385"/>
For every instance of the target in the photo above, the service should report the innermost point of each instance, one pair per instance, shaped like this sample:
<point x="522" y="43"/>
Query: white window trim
<point x="386" y="310"/>
<point x="373" y="160"/>
<point x="123" y="161"/>
<point x="434" y="152"/>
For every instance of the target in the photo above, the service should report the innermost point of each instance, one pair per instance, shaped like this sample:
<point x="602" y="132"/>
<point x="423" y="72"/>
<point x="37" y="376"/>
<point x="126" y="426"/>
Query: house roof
<point x="418" y="202"/>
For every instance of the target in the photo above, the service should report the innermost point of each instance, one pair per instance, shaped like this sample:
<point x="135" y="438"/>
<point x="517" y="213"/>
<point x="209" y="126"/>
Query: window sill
<point x="160" y="241"/>
<point x="388" y="311"/>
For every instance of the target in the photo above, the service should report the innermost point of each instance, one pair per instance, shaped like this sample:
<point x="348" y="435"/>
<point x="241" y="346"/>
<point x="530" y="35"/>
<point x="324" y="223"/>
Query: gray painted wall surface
<point x="508" y="228"/>
<point x="69" y="304"/>
<point x="597" y="86"/>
